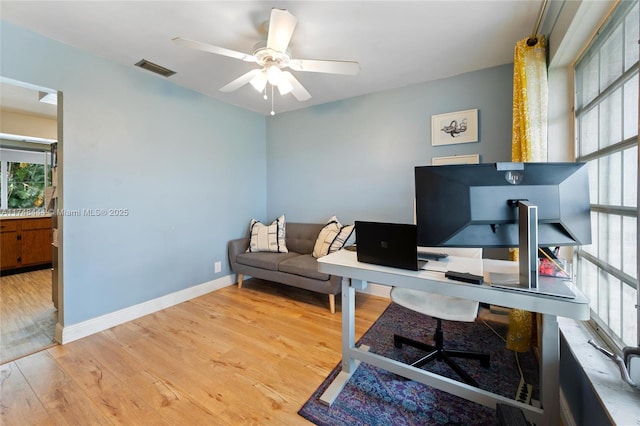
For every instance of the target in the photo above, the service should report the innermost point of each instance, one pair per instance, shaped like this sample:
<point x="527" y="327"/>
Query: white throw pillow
<point x="332" y="237"/>
<point x="267" y="238"/>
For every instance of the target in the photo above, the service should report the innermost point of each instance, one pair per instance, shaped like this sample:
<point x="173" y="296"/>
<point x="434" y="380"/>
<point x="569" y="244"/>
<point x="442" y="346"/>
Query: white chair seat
<point x="436" y="305"/>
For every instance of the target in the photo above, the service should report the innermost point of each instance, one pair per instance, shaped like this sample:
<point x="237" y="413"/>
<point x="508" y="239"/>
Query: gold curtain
<point x="528" y="144"/>
<point x="530" y="99"/>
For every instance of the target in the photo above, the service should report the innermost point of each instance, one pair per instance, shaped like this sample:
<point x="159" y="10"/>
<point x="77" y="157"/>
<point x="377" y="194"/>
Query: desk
<point x="356" y="275"/>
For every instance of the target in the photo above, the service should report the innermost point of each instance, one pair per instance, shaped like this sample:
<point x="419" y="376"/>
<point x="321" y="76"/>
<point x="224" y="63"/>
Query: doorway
<point x="29" y="133"/>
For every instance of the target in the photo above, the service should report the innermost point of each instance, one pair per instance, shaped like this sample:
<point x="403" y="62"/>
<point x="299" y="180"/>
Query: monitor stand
<point x="528" y="243"/>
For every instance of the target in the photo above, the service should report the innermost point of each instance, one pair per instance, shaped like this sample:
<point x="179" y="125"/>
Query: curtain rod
<point x="531" y="41"/>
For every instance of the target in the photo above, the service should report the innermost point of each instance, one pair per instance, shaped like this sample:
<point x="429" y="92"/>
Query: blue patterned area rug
<point x="376" y="397"/>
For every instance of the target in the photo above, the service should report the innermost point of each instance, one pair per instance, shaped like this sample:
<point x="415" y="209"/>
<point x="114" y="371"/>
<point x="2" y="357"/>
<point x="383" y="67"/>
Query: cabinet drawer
<point x="43" y="223"/>
<point x="9" y="225"/>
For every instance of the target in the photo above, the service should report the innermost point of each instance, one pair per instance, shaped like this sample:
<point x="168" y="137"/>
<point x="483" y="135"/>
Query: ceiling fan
<point x="274" y="57"/>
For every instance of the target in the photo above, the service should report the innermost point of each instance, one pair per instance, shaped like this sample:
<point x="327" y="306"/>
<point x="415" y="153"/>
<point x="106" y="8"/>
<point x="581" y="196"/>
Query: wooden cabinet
<point x="9" y="244"/>
<point x="25" y="243"/>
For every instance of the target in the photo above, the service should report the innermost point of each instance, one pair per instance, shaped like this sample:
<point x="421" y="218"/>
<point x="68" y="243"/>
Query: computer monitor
<point x="523" y="205"/>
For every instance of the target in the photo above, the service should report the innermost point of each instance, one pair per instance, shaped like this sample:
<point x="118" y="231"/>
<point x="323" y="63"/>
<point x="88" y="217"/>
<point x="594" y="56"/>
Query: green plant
<point x="25" y="185"/>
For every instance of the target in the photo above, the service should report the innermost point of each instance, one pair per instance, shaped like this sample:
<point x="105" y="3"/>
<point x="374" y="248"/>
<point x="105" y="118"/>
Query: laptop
<point x="388" y="244"/>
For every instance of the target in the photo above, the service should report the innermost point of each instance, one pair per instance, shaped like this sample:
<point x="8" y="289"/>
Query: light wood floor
<point x="235" y="356"/>
<point x="27" y="316"/>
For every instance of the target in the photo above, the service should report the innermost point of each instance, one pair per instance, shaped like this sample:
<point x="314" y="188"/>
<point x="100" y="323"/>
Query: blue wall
<point x="183" y="164"/>
<point x="355" y="158"/>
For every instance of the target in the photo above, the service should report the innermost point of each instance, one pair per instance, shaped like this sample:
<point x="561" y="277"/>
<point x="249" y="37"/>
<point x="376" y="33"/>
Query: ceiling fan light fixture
<point x="259" y="82"/>
<point x="274" y="74"/>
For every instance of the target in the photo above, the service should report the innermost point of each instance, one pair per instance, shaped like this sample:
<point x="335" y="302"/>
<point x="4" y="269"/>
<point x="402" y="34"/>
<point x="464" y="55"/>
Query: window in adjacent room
<point x="23" y="178"/>
<point x="606" y="109"/>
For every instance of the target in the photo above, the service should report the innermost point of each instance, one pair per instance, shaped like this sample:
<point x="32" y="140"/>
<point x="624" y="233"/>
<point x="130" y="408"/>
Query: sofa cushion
<point x="302" y="236"/>
<point x="264" y="260"/>
<point x="304" y="265"/>
<point x="332" y="237"/>
<point x="269" y="238"/>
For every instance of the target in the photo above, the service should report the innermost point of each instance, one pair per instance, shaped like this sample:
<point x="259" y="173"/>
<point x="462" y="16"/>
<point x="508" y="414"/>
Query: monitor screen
<point x="475" y="205"/>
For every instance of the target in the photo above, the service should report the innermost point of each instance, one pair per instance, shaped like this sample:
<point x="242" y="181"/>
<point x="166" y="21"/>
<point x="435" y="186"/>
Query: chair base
<point x="438" y="352"/>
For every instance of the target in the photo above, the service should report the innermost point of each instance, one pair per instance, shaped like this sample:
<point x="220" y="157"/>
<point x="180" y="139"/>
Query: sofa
<point x="297" y="267"/>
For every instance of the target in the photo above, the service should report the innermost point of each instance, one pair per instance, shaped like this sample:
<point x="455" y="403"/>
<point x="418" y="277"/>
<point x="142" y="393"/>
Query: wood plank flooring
<point x="27" y="316"/>
<point x="234" y="356"/>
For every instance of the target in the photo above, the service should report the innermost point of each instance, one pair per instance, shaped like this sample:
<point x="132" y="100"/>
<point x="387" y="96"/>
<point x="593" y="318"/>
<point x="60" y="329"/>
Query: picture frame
<point x="456" y="159"/>
<point x="454" y="127"/>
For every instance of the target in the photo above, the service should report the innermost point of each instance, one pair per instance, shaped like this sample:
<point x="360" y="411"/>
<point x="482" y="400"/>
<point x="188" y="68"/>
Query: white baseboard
<point x="79" y="330"/>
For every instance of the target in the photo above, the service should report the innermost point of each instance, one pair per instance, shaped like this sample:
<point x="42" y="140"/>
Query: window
<point x="23" y="177"/>
<point x="606" y="109"/>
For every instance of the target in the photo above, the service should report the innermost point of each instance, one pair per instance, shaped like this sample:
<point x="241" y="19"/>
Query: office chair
<point x="441" y="308"/>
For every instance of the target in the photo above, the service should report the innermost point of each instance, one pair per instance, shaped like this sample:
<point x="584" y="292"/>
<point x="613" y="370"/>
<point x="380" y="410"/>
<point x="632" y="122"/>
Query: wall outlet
<point x="218" y="267"/>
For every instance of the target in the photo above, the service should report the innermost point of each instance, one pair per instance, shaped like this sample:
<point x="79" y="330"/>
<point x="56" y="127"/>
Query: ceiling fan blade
<point x="214" y="49"/>
<point x="297" y="90"/>
<point x="241" y="81"/>
<point x="281" y="26"/>
<point x="330" y="67"/>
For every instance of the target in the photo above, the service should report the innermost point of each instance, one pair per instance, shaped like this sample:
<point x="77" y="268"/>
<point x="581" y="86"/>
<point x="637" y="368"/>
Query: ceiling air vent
<point x="150" y="66"/>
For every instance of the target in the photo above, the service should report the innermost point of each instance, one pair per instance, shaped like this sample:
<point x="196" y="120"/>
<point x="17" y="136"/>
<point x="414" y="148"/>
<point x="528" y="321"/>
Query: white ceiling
<point x="19" y="98"/>
<point x="397" y="43"/>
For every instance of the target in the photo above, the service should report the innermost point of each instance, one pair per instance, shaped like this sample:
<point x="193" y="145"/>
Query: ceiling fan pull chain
<point x="272" y="111"/>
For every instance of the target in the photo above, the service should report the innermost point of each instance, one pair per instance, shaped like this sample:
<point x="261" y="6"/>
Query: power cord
<point x="523" y="394"/>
